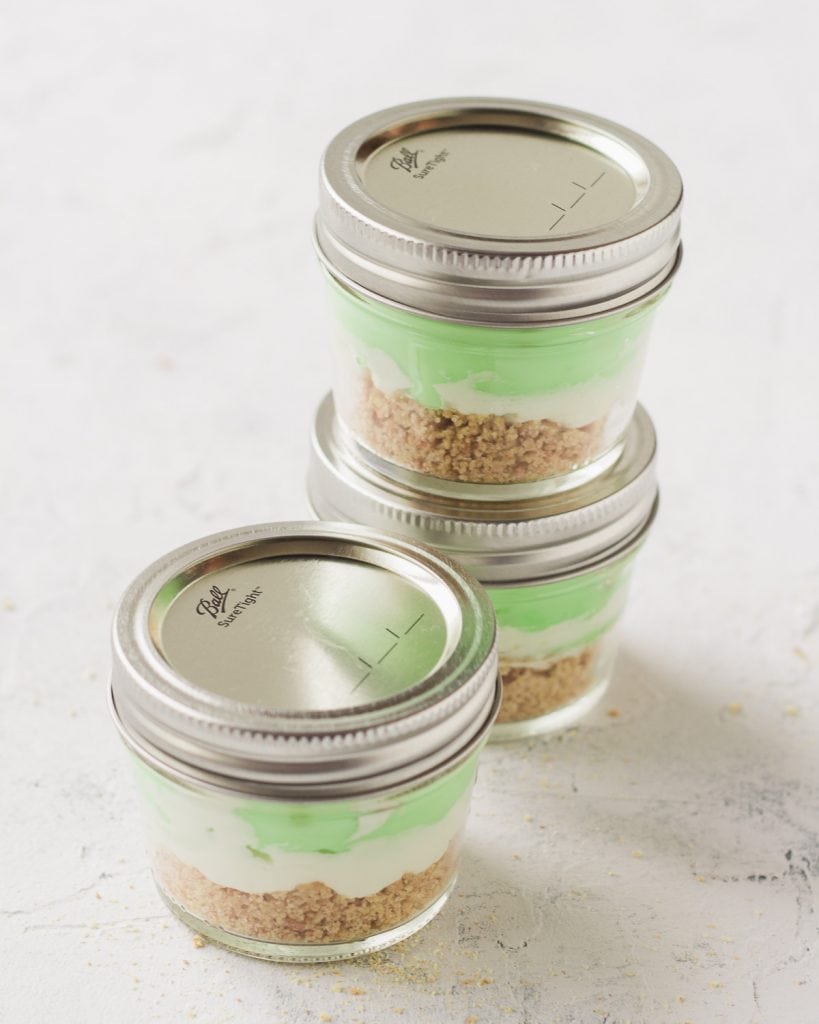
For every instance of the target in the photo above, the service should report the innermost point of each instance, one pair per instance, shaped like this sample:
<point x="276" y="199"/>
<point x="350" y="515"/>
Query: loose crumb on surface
<point x="9" y="606"/>
<point x="734" y="708"/>
<point x="199" y="941"/>
<point x="792" y="710"/>
<point x="400" y="964"/>
<point x="637" y="853"/>
<point x="613" y="712"/>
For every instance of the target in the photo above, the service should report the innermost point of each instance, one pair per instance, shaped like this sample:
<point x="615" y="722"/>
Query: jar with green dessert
<point x="304" y="704"/>
<point x="494" y="269"/>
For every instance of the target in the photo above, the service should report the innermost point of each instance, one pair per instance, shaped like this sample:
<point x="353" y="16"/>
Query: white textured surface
<point x="163" y="345"/>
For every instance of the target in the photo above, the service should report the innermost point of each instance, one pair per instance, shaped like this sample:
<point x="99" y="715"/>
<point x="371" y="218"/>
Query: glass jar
<point x="556" y="567"/>
<point x="304" y="705"/>
<point x="494" y="268"/>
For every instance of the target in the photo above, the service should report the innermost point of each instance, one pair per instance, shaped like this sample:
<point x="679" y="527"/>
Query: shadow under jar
<point x="494" y="268"/>
<point x="556" y="567"/>
<point x="304" y="705"/>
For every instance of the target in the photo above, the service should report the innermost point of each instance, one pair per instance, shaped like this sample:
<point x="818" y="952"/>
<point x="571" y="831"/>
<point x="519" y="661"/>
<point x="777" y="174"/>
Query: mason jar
<point x="557" y="567"/>
<point x="304" y="705"/>
<point x="494" y="268"/>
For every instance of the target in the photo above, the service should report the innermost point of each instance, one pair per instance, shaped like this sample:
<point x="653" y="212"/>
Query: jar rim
<point x="653" y="292"/>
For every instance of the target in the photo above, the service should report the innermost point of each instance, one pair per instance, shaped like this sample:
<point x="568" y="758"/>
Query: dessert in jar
<point x="304" y="704"/>
<point x="494" y="269"/>
<point x="556" y="566"/>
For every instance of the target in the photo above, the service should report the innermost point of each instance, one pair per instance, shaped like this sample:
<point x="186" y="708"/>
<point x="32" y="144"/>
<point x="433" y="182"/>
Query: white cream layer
<point x="387" y="375"/>
<point x="542" y="648"/>
<point x="573" y="406"/>
<point x="209" y="837"/>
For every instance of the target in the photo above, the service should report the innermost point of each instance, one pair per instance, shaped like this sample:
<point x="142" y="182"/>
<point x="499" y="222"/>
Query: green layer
<point x="539" y="606"/>
<point x="328" y="826"/>
<point x="519" y="361"/>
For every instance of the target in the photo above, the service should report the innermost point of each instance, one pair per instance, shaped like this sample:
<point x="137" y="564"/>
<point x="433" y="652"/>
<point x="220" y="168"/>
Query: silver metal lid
<point x="498" y="211"/>
<point x="514" y="540"/>
<point x="304" y="660"/>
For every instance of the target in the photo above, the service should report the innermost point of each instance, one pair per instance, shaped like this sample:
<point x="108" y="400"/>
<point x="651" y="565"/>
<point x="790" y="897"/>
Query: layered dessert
<point x="306" y="873"/>
<point x="556" y="641"/>
<point x="485" y="404"/>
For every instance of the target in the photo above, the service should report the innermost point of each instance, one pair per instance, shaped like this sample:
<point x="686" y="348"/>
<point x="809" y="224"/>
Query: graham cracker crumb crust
<point x="531" y="692"/>
<point x="309" y="913"/>
<point x="469" y="447"/>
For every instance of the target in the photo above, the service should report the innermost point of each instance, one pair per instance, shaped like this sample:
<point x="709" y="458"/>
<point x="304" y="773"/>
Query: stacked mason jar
<point x="306" y="702"/>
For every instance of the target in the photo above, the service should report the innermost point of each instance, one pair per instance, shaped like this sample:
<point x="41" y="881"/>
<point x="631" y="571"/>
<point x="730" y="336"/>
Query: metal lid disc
<point x="498" y="211"/>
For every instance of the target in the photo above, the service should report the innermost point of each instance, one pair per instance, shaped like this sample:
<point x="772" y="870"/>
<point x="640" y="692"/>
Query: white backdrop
<point x="163" y="347"/>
